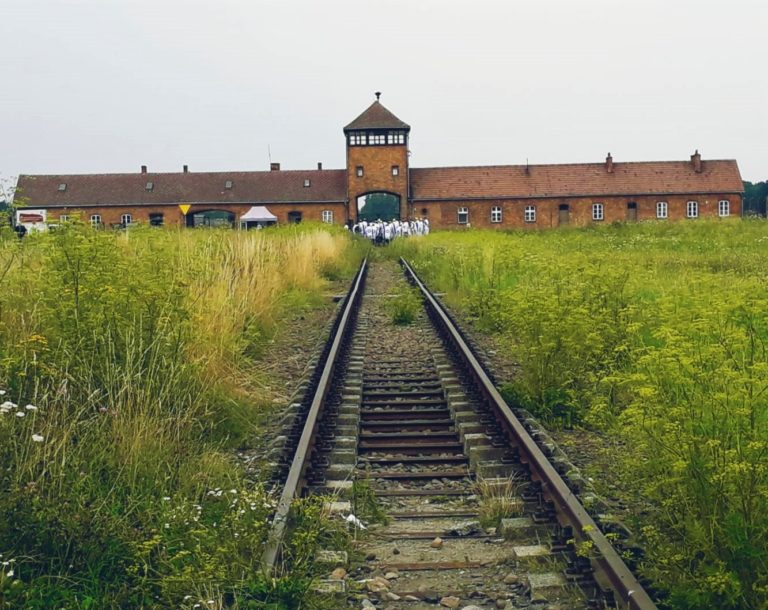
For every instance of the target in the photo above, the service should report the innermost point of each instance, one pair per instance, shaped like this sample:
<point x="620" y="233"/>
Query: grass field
<point x="127" y="367"/>
<point x="655" y="334"/>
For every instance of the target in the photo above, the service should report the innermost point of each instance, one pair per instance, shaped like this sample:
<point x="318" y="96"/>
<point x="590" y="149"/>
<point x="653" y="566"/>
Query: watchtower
<point x="377" y="163"/>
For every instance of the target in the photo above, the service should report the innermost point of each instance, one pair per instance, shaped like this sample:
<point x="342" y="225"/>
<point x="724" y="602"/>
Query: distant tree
<point x="755" y="198"/>
<point x="380" y="206"/>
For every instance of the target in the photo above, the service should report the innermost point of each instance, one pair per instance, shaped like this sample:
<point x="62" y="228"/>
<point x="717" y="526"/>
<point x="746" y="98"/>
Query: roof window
<point x="228" y="185"/>
<point x="63" y="187"/>
<point x="150" y="186"/>
<point x="307" y="183"/>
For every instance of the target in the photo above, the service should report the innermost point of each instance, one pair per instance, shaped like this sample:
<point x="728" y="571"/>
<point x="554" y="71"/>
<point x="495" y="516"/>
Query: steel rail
<point x="610" y="569"/>
<point x="295" y="480"/>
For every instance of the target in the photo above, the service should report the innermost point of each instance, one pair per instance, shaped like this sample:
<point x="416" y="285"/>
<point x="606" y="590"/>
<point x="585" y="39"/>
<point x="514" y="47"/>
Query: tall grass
<point x="134" y="352"/>
<point x="655" y="333"/>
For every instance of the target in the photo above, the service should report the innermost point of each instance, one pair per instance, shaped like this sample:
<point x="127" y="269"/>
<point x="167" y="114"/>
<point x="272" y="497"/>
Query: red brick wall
<point x="172" y="215"/>
<point x="444" y="214"/>
<point x="377" y="162"/>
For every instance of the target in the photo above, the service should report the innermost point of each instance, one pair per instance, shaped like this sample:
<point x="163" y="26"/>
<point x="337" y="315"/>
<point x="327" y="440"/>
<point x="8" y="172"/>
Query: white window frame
<point x="63" y="217"/>
<point x="327" y="216"/>
<point x="126" y="219"/>
<point x="723" y="208"/>
<point x="307" y="183"/>
<point x="462" y="212"/>
<point x="529" y="214"/>
<point x="598" y="211"/>
<point x="95" y="220"/>
<point x="360" y="171"/>
<point x="692" y="209"/>
<point x="395" y="170"/>
<point x="496" y="214"/>
<point x="662" y="209"/>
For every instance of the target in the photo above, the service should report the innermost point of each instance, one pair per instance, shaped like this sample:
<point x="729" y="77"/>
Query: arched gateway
<point x="378" y="206"/>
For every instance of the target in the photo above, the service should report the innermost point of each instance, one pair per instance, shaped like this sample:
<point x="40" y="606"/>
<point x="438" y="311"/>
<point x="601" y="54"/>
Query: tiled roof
<point x="588" y="179"/>
<point x="377" y="117"/>
<point x="203" y="187"/>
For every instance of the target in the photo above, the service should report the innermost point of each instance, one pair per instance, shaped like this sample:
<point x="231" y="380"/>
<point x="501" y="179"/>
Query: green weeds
<point x="655" y="333"/>
<point x="126" y="368"/>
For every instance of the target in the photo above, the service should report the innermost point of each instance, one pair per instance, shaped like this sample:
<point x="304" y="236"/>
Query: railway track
<point x="477" y="514"/>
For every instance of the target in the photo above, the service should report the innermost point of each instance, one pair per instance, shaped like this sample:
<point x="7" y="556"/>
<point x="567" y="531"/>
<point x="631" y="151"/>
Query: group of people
<point x="381" y="232"/>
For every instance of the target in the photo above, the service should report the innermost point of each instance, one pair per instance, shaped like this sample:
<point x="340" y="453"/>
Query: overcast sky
<point x="94" y="86"/>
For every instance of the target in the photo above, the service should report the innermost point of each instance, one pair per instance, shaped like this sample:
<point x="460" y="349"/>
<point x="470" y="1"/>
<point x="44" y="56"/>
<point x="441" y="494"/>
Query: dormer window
<point x="62" y="187"/>
<point x="150" y="186"/>
<point x="307" y="183"/>
<point x="228" y="185"/>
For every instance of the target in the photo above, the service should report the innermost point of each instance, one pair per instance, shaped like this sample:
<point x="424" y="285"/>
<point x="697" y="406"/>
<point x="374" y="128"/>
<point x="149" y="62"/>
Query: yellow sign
<point x="184" y="207"/>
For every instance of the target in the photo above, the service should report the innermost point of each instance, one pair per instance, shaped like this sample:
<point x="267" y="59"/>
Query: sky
<point x="98" y="86"/>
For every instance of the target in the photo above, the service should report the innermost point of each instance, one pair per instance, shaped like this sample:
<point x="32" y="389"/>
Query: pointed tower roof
<point x="377" y="117"/>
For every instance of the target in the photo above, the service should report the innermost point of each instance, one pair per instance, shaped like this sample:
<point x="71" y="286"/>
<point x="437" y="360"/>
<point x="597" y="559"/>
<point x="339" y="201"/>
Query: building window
<point x="150" y="186"/>
<point x="463" y="216"/>
<point x="377" y="138"/>
<point x="63" y="217"/>
<point x="692" y="209"/>
<point x="126" y="219"/>
<point x="294" y="217"/>
<point x="96" y="220"/>
<point x="359" y="171"/>
<point x="328" y="216"/>
<point x="63" y="187"/>
<point x="156" y="220"/>
<point x="395" y="170"/>
<point x="661" y="209"/>
<point x="598" y="211"/>
<point x="395" y="137"/>
<point x="530" y="213"/>
<point x="496" y="213"/>
<point x="357" y="138"/>
<point x="723" y="208"/>
<point x="307" y="183"/>
<point x="228" y="185"/>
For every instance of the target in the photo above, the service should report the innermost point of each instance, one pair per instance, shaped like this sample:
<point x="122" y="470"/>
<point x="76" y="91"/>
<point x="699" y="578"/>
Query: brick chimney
<point x="319" y="165"/>
<point x="186" y="169"/>
<point x="143" y="169"/>
<point x="274" y="167"/>
<point x="609" y="163"/>
<point x="696" y="162"/>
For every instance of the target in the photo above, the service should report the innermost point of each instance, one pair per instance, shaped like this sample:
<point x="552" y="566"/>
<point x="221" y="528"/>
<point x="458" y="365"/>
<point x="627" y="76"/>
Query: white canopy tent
<point x="258" y="216"/>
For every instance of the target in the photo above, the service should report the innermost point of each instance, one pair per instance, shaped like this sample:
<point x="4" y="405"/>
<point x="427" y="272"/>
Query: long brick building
<point x="378" y="175"/>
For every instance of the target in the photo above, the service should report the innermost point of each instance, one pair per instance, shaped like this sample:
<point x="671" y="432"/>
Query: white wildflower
<point x="2" y="392"/>
<point x="8" y="405"/>
<point x="20" y="414"/>
<point x="233" y="491"/>
<point x="187" y="597"/>
<point x="167" y="526"/>
<point x="31" y="408"/>
<point x="38" y="438"/>
<point x="166" y="498"/>
<point x="210" y="602"/>
<point x="10" y="573"/>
